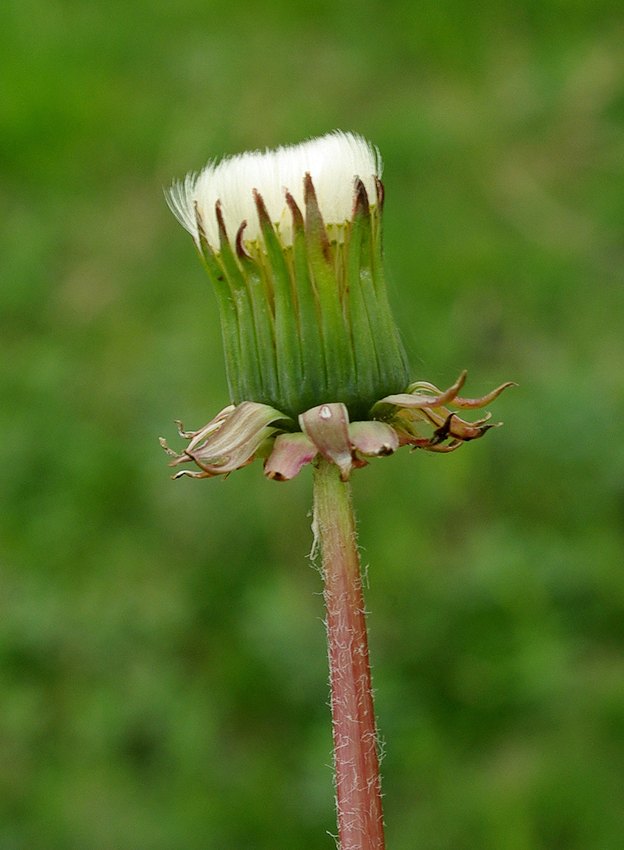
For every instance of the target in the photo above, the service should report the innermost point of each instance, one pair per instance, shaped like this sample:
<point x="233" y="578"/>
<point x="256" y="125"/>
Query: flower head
<point x="292" y="242"/>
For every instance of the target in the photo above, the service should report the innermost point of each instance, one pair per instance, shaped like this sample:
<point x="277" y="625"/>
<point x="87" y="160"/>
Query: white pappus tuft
<point x="333" y="162"/>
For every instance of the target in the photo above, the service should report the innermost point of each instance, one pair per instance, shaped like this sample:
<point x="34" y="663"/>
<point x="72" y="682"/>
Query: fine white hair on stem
<point x="333" y="161"/>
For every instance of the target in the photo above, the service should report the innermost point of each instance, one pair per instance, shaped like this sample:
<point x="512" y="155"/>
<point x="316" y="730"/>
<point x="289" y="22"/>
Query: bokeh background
<point x="163" y="678"/>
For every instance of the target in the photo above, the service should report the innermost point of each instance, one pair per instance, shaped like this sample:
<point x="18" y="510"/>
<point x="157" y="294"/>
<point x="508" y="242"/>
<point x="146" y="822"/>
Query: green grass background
<point x="163" y="679"/>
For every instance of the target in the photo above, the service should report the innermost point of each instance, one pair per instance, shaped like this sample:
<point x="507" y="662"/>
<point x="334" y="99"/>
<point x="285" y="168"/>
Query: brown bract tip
<point x="263" y="213"/>
<point x="297" y="215"/>
<point x="381" y="193"/>
<point x="221" y="222"/>
<point x="314" y="223"/>
<point x="360" y="199"/>
<point x="241" y="251"/>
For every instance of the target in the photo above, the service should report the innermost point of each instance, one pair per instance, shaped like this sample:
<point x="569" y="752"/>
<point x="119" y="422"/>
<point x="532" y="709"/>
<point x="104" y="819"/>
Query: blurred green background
<point x="163" y="678"/>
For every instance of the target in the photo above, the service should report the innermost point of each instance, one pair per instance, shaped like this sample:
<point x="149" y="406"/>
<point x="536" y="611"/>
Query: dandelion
<point x="291" y="240"/>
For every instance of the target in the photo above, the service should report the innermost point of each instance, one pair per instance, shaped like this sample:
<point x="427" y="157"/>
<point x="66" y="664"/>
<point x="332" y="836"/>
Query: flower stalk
<point x="356" y="759"/>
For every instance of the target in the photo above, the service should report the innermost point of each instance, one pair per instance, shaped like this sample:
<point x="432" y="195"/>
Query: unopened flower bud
<point x="291" y="240"/>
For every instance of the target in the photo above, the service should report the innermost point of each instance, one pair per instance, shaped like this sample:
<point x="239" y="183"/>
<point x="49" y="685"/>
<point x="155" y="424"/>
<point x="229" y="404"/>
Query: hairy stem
<point x="356" y="763"/>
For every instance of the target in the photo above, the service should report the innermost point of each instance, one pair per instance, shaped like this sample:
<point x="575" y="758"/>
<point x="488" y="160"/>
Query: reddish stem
<point x="356" y="763"/>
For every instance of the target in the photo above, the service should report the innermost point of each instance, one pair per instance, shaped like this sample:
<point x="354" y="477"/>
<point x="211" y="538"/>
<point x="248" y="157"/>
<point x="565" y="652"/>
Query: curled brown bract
<point x="421" y="418"/>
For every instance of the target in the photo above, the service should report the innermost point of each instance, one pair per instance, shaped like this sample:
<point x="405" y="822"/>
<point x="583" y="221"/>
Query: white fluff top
<point x="333" y="162"/>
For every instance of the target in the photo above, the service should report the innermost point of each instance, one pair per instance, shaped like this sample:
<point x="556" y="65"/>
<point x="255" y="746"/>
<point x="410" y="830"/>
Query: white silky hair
<point x="333" y="162"/>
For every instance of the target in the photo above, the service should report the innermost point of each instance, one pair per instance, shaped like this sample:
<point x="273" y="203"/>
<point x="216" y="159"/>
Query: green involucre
<point x="309" y="322"/>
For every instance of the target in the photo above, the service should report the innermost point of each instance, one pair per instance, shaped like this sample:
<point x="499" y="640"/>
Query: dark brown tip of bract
<point x="201" y="230"/>
<point x="241" y="251"/>
<point x="381" y="193"/>
<point x="221" y="222"/>
<point x="263" y="213"/>
<point x="297" y="215"/>
<point x="309" y="192"/>
<point x="360" y="199"/>
<point x="314" y="218"/>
